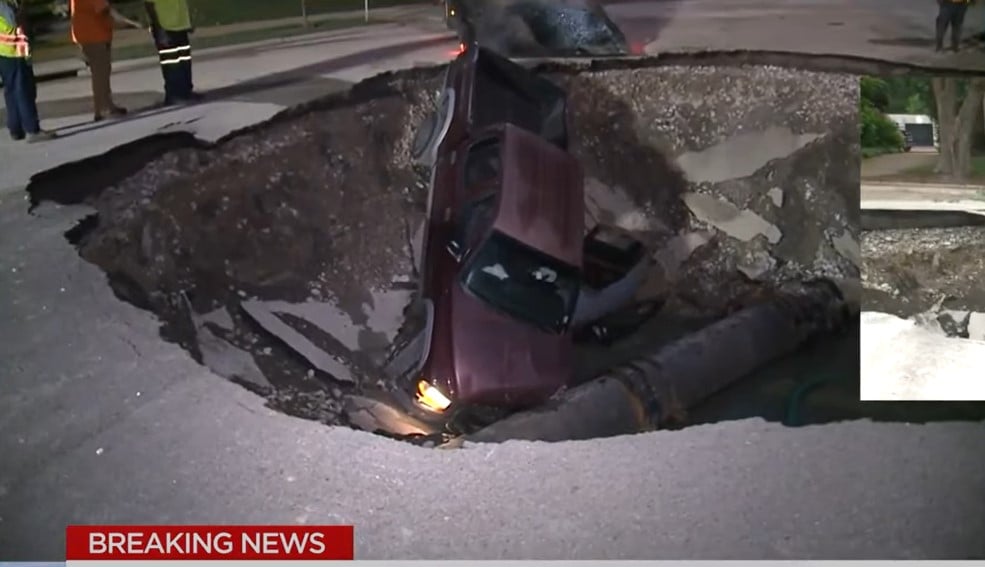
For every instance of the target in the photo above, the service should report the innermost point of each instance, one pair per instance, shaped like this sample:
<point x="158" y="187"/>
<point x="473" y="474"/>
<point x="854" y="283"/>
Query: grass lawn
<point x="53" y="49"/>
<point x="873" y="152"/>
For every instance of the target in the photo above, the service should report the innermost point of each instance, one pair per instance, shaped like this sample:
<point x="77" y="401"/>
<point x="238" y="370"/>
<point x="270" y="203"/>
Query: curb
<point x="54" y="75"/>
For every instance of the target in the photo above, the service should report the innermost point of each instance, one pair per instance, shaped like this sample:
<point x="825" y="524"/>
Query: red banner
<point x="282" y="543"/>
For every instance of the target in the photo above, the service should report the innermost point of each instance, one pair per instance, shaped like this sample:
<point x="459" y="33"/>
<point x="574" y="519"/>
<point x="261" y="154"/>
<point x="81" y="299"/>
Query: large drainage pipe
<point x="653" y="389"/>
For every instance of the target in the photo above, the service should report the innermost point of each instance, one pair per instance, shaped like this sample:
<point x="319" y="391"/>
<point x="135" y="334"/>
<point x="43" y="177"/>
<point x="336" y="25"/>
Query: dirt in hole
<point x="911" y="271"/>
<point x="324" y="206"/>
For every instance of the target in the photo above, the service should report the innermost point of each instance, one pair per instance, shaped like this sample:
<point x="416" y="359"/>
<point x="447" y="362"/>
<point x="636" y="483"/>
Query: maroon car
<point x="507" y="273"/>
<point x="501" y="272"/>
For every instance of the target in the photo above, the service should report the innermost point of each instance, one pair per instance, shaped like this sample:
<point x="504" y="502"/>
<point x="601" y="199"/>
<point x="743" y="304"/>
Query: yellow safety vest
<point x="13" y="40"/>
<point x="173" y="15"/>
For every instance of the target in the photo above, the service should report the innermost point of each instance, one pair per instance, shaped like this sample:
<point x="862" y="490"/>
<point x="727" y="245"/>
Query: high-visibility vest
<point x="173" y="15"/>
<point x="13" y="40"/>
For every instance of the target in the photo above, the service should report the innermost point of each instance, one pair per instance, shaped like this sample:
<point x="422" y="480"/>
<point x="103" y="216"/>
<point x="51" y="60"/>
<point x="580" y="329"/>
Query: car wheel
<point x="432" y="130"/>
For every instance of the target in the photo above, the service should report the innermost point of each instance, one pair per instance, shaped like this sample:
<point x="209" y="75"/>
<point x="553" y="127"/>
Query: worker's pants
<point x="175" y="52"/>
<point x="20" y="94"/>
<point x="97" y="56"/>
<point x="950" y="14"/>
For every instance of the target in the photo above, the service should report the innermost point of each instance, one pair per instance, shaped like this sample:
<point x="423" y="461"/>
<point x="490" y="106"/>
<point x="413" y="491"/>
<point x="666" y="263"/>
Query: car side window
<point x="479" y="217"/>
<point x="483" y="163"/>
<point x="476" y="218"/>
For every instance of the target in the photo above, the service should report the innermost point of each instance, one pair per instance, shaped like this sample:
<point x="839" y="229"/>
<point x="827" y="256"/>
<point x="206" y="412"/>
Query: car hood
<point x="500" y="361"/>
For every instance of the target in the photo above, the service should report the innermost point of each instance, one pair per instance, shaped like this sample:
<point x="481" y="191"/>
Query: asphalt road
<point x="101" y="421"/>
<point x="901" y="31"/>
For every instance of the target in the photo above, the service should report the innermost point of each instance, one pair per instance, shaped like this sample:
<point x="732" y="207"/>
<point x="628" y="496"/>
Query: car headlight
<point x="431" y="397"/>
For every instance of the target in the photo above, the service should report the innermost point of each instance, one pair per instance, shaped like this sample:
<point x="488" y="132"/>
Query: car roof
<point x="542" y="201"/>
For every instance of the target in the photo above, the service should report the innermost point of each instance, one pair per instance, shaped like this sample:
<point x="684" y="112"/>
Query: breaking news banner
<point x="563" y="563"/>
<point x="125" y="546"/>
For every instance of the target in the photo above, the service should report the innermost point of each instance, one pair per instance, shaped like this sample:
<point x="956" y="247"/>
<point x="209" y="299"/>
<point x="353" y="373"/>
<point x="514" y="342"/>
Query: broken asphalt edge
<point x="45" y="185"/>
<point x="894" y="219"/>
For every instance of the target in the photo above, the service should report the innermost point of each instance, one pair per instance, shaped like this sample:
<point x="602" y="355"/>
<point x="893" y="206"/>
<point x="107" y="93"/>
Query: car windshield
<point x="523" y="283"/>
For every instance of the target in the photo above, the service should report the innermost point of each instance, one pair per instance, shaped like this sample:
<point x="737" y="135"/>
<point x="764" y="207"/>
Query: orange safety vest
<point x="13" y="40"/>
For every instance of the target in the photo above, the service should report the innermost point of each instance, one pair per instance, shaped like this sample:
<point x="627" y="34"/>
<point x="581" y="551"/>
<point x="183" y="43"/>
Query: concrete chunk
<point x="298" y="342"/>
<point x="743" y="224"/>
<point x="976" y="328"/>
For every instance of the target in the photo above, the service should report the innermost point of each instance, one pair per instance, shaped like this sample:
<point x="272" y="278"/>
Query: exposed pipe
<point x="653" y="389"/>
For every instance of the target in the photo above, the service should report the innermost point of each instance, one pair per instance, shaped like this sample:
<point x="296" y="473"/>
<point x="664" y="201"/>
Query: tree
<point x="910" y="95"/>
<point x="876" y="130"/>
<point x="958" y="103"/>
<point x="876" y="91"/>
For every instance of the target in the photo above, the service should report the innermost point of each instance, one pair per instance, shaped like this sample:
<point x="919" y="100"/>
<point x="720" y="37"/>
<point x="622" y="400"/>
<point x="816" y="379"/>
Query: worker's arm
<point x="123" y="19"/>
<point x="22" y="20"/>
<point x="155" y="23"/>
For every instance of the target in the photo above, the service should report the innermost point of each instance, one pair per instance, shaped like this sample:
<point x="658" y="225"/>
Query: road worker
<point x="171" y="26"/>
<point x="19" y="88"/>
<point x="950" y="14"/>
<point x="92" y="31"/>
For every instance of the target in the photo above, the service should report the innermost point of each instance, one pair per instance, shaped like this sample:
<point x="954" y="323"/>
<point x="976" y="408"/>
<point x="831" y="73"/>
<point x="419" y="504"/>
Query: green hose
<point x="794" y="418"/>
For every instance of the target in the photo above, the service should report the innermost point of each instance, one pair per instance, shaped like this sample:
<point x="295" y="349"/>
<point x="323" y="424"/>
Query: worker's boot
<point x="41" y="136"/>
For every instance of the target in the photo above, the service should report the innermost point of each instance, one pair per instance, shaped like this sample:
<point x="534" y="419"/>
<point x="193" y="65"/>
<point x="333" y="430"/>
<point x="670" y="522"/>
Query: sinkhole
<point x="284" y="257"/>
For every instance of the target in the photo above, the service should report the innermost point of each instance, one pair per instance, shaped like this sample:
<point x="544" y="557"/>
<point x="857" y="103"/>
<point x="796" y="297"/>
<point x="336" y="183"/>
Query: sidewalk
<point x="922" y="197"/>
<point x="424" y="13"/>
